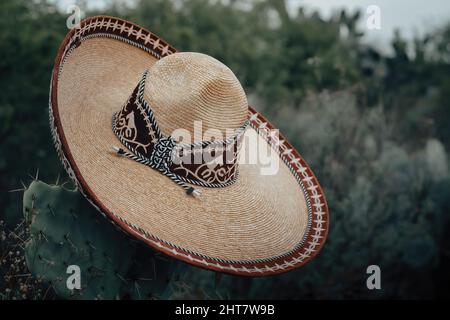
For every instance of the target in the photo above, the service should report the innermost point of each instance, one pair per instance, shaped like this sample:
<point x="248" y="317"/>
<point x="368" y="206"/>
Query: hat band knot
<point x="186" y="164"/>
<point x="162" y="154"/>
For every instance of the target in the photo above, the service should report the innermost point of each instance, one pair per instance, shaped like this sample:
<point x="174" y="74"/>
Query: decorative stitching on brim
<point x="317" y="227"/>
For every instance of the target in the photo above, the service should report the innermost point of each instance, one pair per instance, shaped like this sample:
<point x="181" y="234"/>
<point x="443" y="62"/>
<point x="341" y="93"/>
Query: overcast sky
<point x="410" y="16"/>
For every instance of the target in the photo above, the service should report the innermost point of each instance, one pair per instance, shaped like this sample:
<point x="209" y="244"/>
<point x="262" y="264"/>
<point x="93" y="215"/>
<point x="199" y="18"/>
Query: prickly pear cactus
<point x="65" y="230"/>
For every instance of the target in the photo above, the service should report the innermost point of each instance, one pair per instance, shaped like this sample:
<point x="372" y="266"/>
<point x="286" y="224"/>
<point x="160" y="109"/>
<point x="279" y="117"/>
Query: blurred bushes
<point x="375" y="129"/>
<point x="383" y="205"/>
<point x="29" y="37"/>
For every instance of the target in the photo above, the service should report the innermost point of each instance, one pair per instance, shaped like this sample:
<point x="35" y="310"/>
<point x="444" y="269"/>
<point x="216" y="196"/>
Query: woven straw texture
<point x="186" y="87"/>
<point x="262" y="224"/>
<point x="258" y="217"/>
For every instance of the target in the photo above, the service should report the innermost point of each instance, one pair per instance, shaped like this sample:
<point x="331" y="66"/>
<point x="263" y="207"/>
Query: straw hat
<point x="248" y="205"/>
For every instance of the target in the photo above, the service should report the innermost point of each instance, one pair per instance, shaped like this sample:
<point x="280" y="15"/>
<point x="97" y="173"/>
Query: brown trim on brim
<point x="159" y="48"/>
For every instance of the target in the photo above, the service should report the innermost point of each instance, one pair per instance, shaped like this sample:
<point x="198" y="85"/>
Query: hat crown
<point x="183" y="88"/>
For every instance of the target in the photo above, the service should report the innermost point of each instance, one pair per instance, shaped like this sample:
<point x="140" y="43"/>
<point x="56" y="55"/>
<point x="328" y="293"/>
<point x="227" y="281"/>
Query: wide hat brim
<point x="260" y="225"/>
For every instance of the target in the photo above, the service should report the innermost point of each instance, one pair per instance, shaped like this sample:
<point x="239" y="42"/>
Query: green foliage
<point x="65" y="230"/>
<point x="387" y="204"/>
<point x="29" y="38"/>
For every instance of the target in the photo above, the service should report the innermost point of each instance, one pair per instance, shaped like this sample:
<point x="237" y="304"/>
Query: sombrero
<point x="132" y="118"/>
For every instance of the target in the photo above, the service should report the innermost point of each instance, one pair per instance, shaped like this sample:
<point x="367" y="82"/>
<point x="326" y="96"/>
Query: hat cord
<point x="164" y="170"/>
